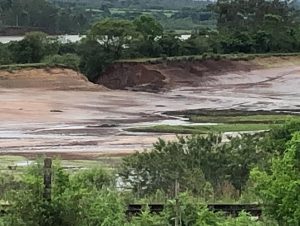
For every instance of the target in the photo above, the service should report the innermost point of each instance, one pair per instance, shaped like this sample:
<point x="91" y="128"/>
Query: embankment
<point x="46" y="78"/>
<point x="162" y="75"/>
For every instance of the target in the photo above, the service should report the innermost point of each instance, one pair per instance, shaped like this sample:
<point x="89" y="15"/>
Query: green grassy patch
<point x="227" y="121"/>
<point x="201" y="129"/>
<point x="17" y="164"/>
<point x="13" y="67"/>
<point x="245" y="119"/>
<point x="108" y="163"/>
<point x="244" y="57"/>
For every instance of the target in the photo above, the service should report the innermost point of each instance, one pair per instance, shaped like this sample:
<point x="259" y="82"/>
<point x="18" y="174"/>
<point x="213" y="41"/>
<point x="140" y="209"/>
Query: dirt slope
<point x="168" y="75"/>
<point x="48" y="78"/>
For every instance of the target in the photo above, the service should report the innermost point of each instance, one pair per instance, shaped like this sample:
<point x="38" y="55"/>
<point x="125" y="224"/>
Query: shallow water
<point x="62" y="38"/>
<point x="172" y="122"/>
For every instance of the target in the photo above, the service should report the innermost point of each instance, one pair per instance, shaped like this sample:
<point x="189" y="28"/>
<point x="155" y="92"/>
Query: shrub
<point x="69" y="60"/>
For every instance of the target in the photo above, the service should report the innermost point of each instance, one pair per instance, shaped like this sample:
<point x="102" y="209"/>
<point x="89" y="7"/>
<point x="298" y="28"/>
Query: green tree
<point x="170" y="44"/>
<point x="34" y="47"/>
<point x="113" y="35"/>
<point x="94" y="59"/>
<point x="279" y="188"/>
<point x="195" y="162"/>
<point x="72" y="203"/>
<point x="5" y="55"/>
<point x="96" y="178"/>
<point x="148" y="27"/>
<point x="148" y="30"/>
<point x="275" y="141"/>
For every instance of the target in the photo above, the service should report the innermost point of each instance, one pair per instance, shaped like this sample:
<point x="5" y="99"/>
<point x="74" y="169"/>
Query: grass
<point x="12" y="67"/>
<point x="7" y="161"/>
<point x="228" y="121"/>
<point x="202" y="129"/>
<point x="108" y="163"/>
<point x="209" y="56"/>
<point x="257" y="119"/>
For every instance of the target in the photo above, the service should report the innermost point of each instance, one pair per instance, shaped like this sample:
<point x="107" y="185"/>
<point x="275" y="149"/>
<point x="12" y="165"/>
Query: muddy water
<point x="86" y="124"/>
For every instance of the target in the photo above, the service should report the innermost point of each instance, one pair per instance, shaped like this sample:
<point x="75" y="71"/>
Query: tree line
<point x="243" y="27"/>
<point x="43" y="15"/>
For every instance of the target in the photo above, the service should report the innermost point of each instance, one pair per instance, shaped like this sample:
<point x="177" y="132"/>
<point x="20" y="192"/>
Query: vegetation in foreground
<point x="259" y="168"/>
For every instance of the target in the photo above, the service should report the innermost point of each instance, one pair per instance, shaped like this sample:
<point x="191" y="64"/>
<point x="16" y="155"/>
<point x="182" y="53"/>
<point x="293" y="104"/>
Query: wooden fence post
<point x="47" y="178"/>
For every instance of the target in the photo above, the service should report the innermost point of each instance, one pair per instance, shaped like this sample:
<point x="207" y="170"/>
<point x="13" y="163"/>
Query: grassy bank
<point x="13" y="67"/>
<point x="228" y="121"/>
<point x="201" y="129"/>
<point x="245" y="119"/>
<point x="208" y="56"/>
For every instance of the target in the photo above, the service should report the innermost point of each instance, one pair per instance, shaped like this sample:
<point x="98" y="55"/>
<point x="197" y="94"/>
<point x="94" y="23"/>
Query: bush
<point x="33" y="48"/>
<point x="72" y="204"/>
<point x="279" y="188"/>
<point x="5" y="55"/>
<point x="197" y="162"/>
<point x="93" y="178"/>
<point x="69" y="60"/>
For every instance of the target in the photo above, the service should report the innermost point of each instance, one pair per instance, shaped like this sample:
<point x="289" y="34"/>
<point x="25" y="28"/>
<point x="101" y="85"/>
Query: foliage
<point x="112" y="35"/>
<point x="148" y="219"/>
<point x="96" y="178"/>
<point x="197" y="162"/>
<point x="276" y="140"/>
<point x="193" y="212"/>
<point x="5" y="55"/>
<point x="32" y="48"/>
<point x="72" y="202"/>
<point x="94" y="59"/>
<point x="8" y="182"/>
<point x="43" y="15"/>
<point x="148" y="27"/>
<point x="69" y="60"/>
<point x="279" y="188"/>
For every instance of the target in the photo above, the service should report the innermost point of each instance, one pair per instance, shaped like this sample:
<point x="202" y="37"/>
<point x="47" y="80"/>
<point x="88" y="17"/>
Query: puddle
<point x="172" y="122"/>
<point x="12" y="135"/>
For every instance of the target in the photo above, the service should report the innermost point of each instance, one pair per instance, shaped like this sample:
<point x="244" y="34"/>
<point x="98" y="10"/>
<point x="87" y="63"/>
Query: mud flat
<point x="58" y="112"/>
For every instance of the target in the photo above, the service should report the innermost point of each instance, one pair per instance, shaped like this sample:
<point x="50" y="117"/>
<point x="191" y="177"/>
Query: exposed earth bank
<point x="162" y="75"/>
<point x="57" y="111"/>
<point x="46" y="78"/>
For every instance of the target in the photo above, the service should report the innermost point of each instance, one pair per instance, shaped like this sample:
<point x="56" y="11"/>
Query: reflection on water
<point x="62" y="38"/>
<point x="172" y="122"/>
